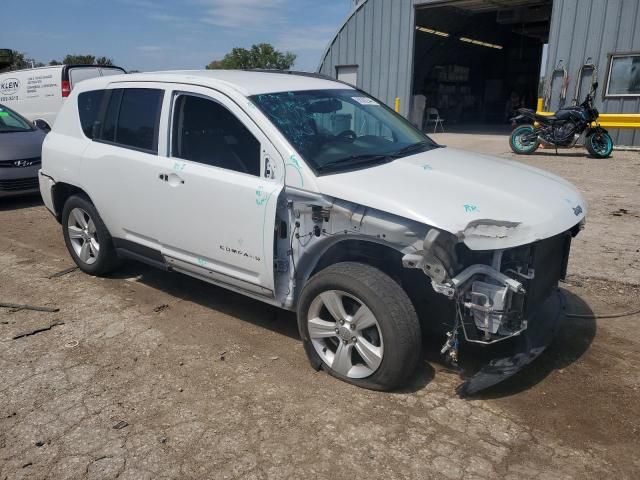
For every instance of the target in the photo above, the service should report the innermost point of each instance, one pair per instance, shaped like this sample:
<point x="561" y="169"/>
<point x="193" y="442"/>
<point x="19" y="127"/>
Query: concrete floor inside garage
<point x="155" y="375"/>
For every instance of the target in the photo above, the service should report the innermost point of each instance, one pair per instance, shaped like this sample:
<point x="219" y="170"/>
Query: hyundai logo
<point x="23" y="163"/>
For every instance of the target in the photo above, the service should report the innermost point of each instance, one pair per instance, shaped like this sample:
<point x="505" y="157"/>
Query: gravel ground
<point x="155" y="375"/>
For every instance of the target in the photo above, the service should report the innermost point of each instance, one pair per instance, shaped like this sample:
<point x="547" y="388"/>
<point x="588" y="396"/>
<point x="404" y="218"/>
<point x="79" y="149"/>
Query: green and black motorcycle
<point x="561" y="130"/>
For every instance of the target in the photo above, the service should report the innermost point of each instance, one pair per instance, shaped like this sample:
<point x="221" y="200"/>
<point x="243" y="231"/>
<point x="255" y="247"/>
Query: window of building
<point x="348" y="74"/>
<point x="623" y="78"/>
<point x="132" y="118"/>
<point x="206" y="132"/>
<point x="89" y="104"/>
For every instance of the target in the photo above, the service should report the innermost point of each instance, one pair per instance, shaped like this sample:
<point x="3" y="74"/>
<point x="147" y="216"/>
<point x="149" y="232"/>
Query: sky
<point x="160" y="35"/>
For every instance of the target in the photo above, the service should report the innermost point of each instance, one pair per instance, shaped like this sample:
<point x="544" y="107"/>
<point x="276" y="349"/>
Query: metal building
<point x="473" y="61"/>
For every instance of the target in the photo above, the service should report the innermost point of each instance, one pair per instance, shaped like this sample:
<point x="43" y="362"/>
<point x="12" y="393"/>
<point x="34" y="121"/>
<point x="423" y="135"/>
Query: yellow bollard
<point x="398" y="104"/>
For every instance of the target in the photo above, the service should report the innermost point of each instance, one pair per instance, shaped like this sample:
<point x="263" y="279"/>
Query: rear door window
<point x="89" y="104"/>
<point x="108" y="132"/>
<point x="139" y="117"/>
<point x="78" y="74"/>
<point x="132" y="118"/>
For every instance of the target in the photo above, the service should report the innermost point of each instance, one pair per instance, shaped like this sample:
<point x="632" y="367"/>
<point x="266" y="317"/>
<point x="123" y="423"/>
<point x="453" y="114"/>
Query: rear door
<point x="221" y="189"/>
<point x="121" y="165"/>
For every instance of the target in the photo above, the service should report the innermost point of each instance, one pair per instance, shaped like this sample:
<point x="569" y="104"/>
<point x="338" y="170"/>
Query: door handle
<point x="172" y="179"/>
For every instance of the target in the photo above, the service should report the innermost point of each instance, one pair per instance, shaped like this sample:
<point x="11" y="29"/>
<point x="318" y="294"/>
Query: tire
<point x="87" y="238"/>
<point x="516" y="144"/>
<point x="599" y="145"/>
<point x="391" y="344"/>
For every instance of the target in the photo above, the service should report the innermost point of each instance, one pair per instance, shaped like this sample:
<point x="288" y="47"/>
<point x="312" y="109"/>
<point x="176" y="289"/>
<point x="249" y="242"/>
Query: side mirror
<point x="42" y="125"/>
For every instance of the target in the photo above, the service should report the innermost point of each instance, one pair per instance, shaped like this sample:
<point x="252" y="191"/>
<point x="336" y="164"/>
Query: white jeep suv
<point x="310" y="195"/>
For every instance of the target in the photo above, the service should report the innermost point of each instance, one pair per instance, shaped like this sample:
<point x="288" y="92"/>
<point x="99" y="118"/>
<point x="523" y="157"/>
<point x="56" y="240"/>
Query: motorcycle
<point x="561" y="129"/>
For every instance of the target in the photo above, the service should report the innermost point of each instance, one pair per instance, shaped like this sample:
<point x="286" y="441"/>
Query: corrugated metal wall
<point x="595" y="28"/>
<point x="378" y="38"/>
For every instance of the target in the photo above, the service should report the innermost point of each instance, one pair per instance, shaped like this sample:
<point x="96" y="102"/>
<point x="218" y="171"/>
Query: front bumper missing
<point x="507" y="309"/>
<point x="524" y="348"/>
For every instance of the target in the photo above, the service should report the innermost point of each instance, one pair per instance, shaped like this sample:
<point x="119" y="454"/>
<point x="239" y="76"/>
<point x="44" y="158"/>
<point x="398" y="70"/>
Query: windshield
<point x="339" y="130"/>
<point x="12" y="122"/>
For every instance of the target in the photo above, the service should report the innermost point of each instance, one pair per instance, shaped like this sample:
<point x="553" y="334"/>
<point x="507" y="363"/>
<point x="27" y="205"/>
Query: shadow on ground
<point x="572" y="340"/>
<point x="17" y="203"/>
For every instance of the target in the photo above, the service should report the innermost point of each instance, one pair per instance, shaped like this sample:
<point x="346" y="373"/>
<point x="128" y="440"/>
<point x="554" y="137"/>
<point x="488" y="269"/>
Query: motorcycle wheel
<point x="518" y="145"/>
<point x="599" y="145"/>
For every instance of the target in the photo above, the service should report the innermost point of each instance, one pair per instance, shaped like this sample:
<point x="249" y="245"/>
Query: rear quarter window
<point x="89" y="104"/>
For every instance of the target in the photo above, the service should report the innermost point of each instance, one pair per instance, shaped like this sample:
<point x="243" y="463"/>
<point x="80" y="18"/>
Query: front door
<point x="219" y="205"/>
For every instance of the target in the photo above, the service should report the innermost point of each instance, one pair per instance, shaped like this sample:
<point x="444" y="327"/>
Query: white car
<point x="310" y="195"/>
<point x="38" y="93"/>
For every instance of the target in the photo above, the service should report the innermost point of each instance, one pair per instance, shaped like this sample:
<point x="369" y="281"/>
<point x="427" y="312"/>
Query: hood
<point x="20" y="145"/>
<point x="487" y="202"/>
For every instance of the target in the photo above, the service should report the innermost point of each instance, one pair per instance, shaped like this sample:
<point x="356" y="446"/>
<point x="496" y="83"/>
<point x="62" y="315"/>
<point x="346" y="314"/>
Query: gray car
<point x="20" y="150"/>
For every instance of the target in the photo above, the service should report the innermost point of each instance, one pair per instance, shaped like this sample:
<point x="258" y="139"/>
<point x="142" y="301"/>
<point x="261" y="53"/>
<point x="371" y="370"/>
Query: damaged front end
<point x="503" y="295"/>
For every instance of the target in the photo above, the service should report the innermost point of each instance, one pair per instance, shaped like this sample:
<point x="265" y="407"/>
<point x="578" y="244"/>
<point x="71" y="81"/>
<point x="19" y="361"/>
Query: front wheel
<point x="599" y="144"/>
<point x="360" y="326"/>
<point x="523" y="140"/>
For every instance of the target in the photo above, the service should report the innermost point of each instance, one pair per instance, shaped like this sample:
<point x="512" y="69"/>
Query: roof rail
<point x="321" y="76"/>
<point x="290" y="72"/>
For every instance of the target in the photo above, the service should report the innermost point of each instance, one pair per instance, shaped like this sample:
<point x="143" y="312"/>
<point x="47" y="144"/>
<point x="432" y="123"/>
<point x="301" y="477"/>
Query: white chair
<point x="434" y="117"/>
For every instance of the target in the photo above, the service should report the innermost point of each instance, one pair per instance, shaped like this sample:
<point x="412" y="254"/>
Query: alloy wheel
<point x="82" y="235"/>
<point x="345" y="334"/>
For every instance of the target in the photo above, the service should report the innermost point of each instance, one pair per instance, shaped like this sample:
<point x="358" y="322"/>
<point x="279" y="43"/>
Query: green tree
<point x="260" y="56"/>
<point x="107" y="62"/>
<point x="86" y="60"/>
<point x="21" y="61"/>
<point x="79" y="59"/>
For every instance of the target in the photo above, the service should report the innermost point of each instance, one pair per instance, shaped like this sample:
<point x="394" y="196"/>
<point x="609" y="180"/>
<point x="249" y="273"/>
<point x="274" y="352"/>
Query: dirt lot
<point x="155" y="375"/>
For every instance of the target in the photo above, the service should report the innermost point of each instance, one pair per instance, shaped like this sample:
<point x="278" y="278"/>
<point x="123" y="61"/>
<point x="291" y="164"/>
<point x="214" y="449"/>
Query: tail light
<point x="66" y="88"/>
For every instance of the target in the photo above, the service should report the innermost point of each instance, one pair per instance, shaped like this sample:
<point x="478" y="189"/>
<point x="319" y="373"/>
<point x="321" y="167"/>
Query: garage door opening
<point x="476" y="61"/>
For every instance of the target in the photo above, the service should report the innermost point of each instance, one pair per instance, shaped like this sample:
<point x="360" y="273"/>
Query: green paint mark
<point x="179" y="166"/>
<point x="293" y="162"/>
<point x="4" y="114"/>
<point x="202" y="262"/>
<point x="265" y="201"/>
<point x="471" y="208"/>
<point x="293" y="159"/>
<point x="261" y="196"/>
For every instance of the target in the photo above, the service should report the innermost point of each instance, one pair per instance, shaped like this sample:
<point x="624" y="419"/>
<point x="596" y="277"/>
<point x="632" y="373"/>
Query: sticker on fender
<point x="366" y="101"/>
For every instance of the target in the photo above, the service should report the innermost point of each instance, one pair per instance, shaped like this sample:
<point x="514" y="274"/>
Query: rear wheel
<point x="359" y="325"/>
<point x="599" y="145"/>
<point x="87" y="237"/>
<point x="523" y="141"/>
